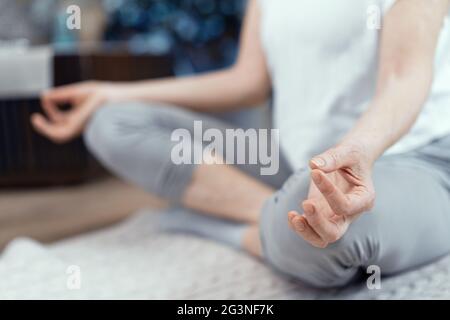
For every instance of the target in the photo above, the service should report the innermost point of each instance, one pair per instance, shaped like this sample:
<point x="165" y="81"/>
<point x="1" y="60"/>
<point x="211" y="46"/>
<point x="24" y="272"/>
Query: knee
<point x="114" y="127"/>
<point x="342" y="261"/>
<point x="334" y="266"/>
<point x="101" y="130"/>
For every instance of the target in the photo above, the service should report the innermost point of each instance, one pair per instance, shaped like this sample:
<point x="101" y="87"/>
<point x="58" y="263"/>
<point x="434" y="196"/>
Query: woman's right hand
<point x="62" y="126"/>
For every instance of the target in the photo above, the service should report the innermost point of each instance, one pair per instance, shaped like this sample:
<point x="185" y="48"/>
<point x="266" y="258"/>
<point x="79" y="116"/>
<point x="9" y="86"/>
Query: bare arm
<point x="342" y="176"/>
<point x="409" y="39"/>
<point x="244" y="84"/>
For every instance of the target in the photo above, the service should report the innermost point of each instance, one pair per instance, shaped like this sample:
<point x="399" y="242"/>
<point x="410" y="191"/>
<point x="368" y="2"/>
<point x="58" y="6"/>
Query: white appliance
<point x="25" y="71"/>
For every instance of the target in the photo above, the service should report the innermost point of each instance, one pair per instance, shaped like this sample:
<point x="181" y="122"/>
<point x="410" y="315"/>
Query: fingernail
<point x="300" y="225"/>
<point x="319" y="162"/>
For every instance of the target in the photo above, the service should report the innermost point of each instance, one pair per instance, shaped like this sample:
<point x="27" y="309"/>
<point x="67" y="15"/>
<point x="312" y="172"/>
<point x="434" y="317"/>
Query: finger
<point x="324" y="227"/>
<point x="60" y="95"/>
<point x="48" y="129"/>
<point x="319" y="204"/>
<point x="63" y="93"/>
<point x="334" y="196"/>
<point x="299" y="224"/>
<point x="50" y="99"/>
<point x="331" y="160"/>
<point x="291" y="216"/>
<point x="73" y="124"/>
<point x="51" y="109"/>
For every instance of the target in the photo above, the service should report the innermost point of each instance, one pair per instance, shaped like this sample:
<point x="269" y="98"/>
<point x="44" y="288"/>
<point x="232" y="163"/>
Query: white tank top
<point x="323" y="58"/>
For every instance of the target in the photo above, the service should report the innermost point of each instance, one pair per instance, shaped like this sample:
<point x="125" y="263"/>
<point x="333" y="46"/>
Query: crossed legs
<point x="409" y="226"/>
<point x="222" y="191"/>
<point x="133" y="141"/>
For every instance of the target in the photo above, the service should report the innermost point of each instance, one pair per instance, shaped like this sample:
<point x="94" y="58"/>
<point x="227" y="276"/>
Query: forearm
<point x="393" y="110"/>
<point x="245" y="84"/>
<point x="213" y="92"/>
<point x="408" y="44"/>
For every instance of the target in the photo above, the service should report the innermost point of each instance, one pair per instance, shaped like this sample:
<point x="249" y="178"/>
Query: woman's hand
<point x="341" y="190"/>
<point x="62" y="126"/>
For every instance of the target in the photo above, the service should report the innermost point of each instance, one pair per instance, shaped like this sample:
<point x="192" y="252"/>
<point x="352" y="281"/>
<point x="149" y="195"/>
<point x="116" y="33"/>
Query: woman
<point x="368" y="102"/>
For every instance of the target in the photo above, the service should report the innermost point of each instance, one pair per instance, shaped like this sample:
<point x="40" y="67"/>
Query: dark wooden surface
<point x="28" y="159"/>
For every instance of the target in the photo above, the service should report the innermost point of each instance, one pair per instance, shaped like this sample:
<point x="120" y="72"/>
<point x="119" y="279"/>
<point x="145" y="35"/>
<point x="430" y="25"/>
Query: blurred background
<point x="50" y="192"/>
<point x="201" y="35"/>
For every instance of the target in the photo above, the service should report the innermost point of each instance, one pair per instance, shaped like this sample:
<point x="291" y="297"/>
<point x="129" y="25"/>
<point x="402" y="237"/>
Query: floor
<point x="143" y="262"/>
<point x="134" y="259"/>
<point x="51" y="214"/>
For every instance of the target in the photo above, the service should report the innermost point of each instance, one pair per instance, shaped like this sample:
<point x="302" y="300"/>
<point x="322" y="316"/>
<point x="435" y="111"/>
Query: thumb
<point x="331" y="160"/>
<point x="81" y="114"/>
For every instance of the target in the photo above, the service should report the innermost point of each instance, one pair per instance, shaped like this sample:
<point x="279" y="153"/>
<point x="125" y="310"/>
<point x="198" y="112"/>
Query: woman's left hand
<point x="341" y="190"/>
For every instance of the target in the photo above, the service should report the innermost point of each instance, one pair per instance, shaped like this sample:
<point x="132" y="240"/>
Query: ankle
<point x="251" y="241"/>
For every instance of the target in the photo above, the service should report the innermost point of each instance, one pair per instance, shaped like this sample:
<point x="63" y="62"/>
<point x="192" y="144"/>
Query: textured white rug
<point x="134" y="261"/>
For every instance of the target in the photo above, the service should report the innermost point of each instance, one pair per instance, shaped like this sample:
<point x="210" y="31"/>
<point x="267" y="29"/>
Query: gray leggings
<point x="409" y="225"/>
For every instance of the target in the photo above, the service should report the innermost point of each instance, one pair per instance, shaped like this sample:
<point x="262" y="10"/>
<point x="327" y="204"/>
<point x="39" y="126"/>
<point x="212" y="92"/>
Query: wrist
<point x="111" y="92"/>
<point x="371" y="134"/>
<point x="362" y="147"/>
